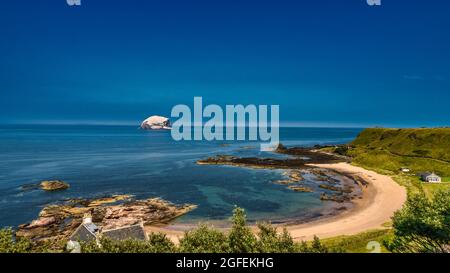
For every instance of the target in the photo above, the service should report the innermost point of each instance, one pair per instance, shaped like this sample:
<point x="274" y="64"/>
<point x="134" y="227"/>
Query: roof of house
<point x="135" y="232"/>
<point x="91" y="227"/>
<point x="428" y="174"/>
<point x="85" y="232"/>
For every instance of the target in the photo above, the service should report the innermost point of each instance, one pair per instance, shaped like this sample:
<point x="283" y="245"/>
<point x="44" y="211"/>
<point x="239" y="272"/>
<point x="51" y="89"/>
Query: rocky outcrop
<point x="293" y="176"/>
<point x="313" y="156"/>
<point x="281" y="149"/>
<point x="339" y="198"/>
<point x="150" y="211"/>
<point x="324" y="175"/>
<point x="299" y="157"/>
<point x="337" y="189"/>
<point x="156" y="123"/>
<point x="252" y="162"/>
<point x="59" y="221"/>
<point x="300" y="188"/>
<point x="53" y="185"/>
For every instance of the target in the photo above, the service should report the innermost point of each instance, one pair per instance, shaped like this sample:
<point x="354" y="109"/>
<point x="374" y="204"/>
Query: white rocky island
<point x="156" y="123"/>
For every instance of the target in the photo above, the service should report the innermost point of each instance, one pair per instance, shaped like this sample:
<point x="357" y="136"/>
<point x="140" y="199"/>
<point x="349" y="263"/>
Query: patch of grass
<point x="383" y="160"/>
<point x="432" y="143"/>
<point x="431" y="188"/>
<point x="410" y="182"/>
<point x="358" y="243"/>
<point x="390" y="149"/>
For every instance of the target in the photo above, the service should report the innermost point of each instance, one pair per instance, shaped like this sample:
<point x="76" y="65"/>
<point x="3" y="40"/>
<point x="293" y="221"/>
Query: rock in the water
<point x="300" y="189"/>
<point x="54" y="185"/>
<point x="339" y="198"/>
<point x="156" y="123"/>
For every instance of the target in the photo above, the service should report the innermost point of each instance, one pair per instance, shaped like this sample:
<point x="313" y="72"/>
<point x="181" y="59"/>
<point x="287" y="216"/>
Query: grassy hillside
<point x="390" y="149"/>
<point x="422" y="143"/>
<point x="358" y="243"/>
<point x="387" y="150"/>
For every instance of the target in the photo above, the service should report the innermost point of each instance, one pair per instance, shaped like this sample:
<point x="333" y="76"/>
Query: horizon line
<point x="287" y="124"/>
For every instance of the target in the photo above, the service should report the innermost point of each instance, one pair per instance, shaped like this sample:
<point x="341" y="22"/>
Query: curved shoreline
<point x="380" y="199"/>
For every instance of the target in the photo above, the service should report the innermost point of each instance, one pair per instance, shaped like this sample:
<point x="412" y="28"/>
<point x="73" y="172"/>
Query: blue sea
<point x="103" y="160"/>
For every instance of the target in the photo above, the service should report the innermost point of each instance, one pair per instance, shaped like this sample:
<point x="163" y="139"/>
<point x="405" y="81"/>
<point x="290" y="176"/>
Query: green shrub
<point x="423" y="225"/>
<point x="317" y="246"/>
<point x="10" y="244"/>
<point x="157" y="243"/>
<point x="314" y="247"/>
<point x="241" y="239"/>
<point x="341" y="150"/>
<point x="204" y="240"/>
<point x="272" y="242"/>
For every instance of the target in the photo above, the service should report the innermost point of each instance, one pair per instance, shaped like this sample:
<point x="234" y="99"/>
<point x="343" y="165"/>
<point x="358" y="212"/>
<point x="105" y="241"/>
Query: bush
<point x="157" y="243"/>
<point x="204" y="240"/>
<point x="341" y="150"/>
<point x="423" y="225"/>
<point x="315" y="247"/>
<point x="272" y="242"/>
<point x="10" y="244"/>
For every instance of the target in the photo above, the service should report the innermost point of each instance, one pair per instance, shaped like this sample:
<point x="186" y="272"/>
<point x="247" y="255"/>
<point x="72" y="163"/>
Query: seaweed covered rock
<point x="53" y="185"/>
<point x="300" y="189"/>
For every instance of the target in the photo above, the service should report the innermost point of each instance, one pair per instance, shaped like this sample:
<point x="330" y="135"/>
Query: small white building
<point x="430" y="177"/>
<point x="405" y="170"/>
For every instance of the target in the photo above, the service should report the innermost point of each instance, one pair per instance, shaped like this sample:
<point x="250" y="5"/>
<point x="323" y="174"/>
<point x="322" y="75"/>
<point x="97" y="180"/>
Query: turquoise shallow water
<point x="105" y="160"/>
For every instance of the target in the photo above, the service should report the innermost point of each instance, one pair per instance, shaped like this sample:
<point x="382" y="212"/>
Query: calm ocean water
<point x="105" y="160"/>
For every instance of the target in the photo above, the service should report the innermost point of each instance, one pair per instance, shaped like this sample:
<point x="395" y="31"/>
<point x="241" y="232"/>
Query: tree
<point x="272" y="242"/>
<point x="422" y="225"/>
<point x="11" y="244"/>
<point x="204" y="240"/>
<point x="241" y="239"/>
<point x="317" y="246"/>
<point x="160" y="243"/>
<point x="157" y="243"/>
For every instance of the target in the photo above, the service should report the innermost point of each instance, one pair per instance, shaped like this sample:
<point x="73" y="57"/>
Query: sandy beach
<point x="381" y="198"/>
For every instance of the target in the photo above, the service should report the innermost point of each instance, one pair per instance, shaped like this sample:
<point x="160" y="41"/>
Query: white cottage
<point x="430" y="177"/>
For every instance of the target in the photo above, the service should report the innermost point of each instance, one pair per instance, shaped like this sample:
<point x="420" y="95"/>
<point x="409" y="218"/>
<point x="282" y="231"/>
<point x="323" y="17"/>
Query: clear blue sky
<point x="325" y="62"/>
